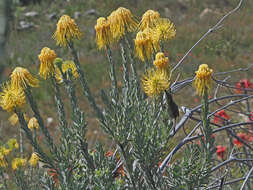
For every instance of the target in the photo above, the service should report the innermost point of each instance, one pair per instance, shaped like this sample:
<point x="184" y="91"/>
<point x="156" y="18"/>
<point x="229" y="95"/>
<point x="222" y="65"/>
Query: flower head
<point x="154" y="82"/>
<point x="3" y="163"/>
<point x="164" y="29"/>
<point x="21" y="78"/>
<point x="161" y="62"/>
<point x="18" y="162"/>
<point x="243" y="84"/>
<point x="221" y="150"/>
<point x="103" y="33"/>
<point x="34" y="159"/>
<point x="148" y="19"/>
<point x="220" y="117"/>
<point x="65" y="66"/>
<point x="47" y="57"/>
<point x="13" y="119"/>
<point x="145" y="44"/>
<point x="247" y="138"/>
<point x="33" y="124"/>
<point x="12" y="143"/>
<point x="66" y="31"/>
<point x="203" y="79"/>
<point x="121" y="21"/>
<point x="4" y="151"/>
<point x="11" y="98"/>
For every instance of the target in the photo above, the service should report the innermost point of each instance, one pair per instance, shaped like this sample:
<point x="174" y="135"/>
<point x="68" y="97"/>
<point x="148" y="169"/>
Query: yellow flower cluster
<point x="164" y="29"/>
<point x="18" y="162"/>
<point x="65" y="66"/>
<point x="148" y="19"/>
<point x="12" y="143"/>
<point x="145" y="44"/>
<point x="34" y="159"/>
<point x="161" y="62"/>
<point x="153" y="30"/>
<point x="13" y="119"/>
<point x="112" y="29"/>
<point x="202" y="80"/>
<point x="11" y="98"/>
<point x="66" y="31"/>
<point x="21" y="77"/>
<point x="121" y="21"/>
<point x="33" y="124"/>
<point x="47" y="57"/>
<point x="4" y="151"/>
<point x="155" y="81"/>
<point x="3" y="163"/>
<point x="103" y="33"/>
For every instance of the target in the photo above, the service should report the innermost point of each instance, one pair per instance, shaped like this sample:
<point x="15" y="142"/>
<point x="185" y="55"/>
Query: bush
<point x="151" y="149"/>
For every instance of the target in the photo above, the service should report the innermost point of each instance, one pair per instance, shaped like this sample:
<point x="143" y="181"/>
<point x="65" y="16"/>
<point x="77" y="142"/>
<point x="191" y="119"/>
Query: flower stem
<point x="37" y="115"/>
<point x="112" y="74"/>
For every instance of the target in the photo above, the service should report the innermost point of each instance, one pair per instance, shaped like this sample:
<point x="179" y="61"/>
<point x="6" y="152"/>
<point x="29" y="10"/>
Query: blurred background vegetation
<point x="32" y="23"/>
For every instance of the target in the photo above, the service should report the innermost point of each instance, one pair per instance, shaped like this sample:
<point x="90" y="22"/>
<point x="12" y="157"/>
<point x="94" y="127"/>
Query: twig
<point x="246" y="179"/>
<point x="216" y="26"/>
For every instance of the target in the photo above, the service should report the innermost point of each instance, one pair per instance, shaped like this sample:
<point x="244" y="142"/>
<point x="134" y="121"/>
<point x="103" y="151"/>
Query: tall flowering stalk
<point x="66" y="31"/>
<point x="104" y="38"/>
<point x="202" y="83"/>
<point x="122" y="22"/>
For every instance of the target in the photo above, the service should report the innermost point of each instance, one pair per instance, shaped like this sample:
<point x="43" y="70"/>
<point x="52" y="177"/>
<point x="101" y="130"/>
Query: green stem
<point x="59" y="103"/>
<point x="86" y="89"/>
<point x="35" y="109"/>
<point x="205" y="122"/>
<point x="33" y="141"/>
<point x="112" y="74"/>
<point x="131" y="57"/>
<point x="125" y="65"/>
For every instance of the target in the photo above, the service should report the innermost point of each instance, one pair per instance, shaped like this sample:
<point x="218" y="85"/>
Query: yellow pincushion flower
<point x="33" y="124"/>
<point x="18" y="162"/>
<point x="121" y="21"/>
<point x="165" y="29"/>
<point x="148" y="19"/>
<point x="4" y="151"/>
<point x="3" y="163"/>
<point x="11" y="98"/>
<point x="13" y="119"/>
<point x="21" y="78"/>
<point x="12" y="143"/>
<point x="202" y="80"/>
<point x="145" y="44"/>
<point x="161" y="62"/>
<point x="65" y="66"/>
<point x="66" y="31"/>
<point x="103" y="33"/>
<point x="155" y="81"/>
<point x="47" y="57"/>
<point x="34" y="159"/>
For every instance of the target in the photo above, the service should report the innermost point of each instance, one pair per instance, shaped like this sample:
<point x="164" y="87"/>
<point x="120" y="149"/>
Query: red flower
<point x="221" y="151"/>
<point x="109" y="153"/>
<point x="251" y="116"/>
<point x="243" y="84"/>
<point x="245" y="137"/>
<point x="220" y="117"/>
